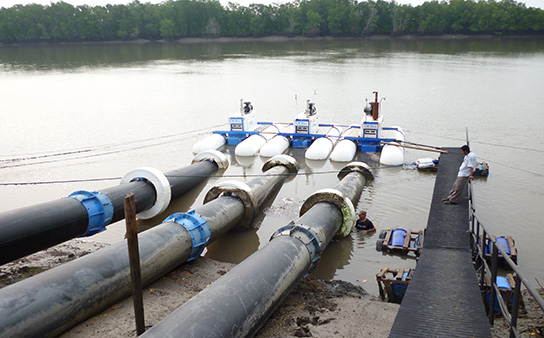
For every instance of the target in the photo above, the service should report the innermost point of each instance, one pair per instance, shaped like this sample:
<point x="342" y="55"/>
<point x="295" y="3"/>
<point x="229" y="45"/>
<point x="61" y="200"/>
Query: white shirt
<point x="469" y="161"/>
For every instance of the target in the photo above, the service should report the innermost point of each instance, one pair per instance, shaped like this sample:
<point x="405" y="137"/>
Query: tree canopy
<point x="173" y="19"/>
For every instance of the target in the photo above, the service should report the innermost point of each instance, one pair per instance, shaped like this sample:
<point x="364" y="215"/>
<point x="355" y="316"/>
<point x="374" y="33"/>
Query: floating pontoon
<point x="335" y="141"/>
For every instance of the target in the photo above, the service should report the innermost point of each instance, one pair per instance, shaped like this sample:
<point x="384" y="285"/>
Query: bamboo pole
<point x="424" y="148"/>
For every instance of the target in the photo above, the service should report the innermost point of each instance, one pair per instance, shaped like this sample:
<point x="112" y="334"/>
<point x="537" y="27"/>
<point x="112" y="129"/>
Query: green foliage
<point x="175" y="19"/>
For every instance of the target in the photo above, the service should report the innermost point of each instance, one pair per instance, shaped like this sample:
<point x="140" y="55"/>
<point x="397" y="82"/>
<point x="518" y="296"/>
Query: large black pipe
<point x="56" y="300"/>
<point x="239" y="303"/>
<point x="30" y="229"/>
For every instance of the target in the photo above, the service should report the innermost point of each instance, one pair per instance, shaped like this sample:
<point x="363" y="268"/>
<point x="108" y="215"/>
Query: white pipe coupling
<point x="337" y="198"/>
<point x="212" y="155"/>
<point x="243" y="192"/>
<point x="284" y="160"/>
<point x="161" y="185"/>
<point x="361" y="167"/>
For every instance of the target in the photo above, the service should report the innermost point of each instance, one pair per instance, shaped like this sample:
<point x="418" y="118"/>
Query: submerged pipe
<point x="30" y="229"/>
<point x="241" y="301"/>
<point x="56" y="300"/>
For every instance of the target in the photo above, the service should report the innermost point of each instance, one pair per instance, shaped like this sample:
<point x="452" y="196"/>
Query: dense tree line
<point x="174" y="19"/>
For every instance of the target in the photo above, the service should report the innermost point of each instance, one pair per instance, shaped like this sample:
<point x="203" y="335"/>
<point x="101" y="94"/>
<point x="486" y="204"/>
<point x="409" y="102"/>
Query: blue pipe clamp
<point x="198" y="228"/>
<point x="306" y="235"/>
<point x="99" y="208"/>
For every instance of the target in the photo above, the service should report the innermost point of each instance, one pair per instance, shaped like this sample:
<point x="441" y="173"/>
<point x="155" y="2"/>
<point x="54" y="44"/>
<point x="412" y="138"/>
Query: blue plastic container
<point x="502" y="242"/>
<point x="503" y="284"/>
<point x="397" y="239"/>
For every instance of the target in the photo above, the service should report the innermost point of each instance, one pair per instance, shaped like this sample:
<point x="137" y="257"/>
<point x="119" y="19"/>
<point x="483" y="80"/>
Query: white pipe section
<point x="211" y="142"/>
<point x="322" y="147"/>
<point x="344" y="151"/>
<point x="251" y="145"/>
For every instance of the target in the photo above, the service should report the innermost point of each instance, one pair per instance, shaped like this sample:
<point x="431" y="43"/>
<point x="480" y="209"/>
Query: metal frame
<point x="364" y="144"/>
<point x="478" y="254"/>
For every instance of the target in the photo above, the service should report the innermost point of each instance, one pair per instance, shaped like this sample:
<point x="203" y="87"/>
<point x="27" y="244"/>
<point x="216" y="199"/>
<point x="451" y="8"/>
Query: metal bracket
<point x="198" y="229"/>
<point x="306" y="235"/>
<point x="240" y="190"/>
<point x="99" y="208"/>
<point x="337" y="198"/>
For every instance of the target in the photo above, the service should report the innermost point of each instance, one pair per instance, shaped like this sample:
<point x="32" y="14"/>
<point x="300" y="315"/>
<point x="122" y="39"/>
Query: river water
<point x="116" y="107"/>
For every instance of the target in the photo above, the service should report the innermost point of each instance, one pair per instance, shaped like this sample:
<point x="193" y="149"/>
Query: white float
<point x="251" y="145"/>
<point x="322" y="147"/>
<point x="211" y="142"/>
<point x="425" y="163"/>
<point x="344" y="151"/>
<point x="393" y="153"/>
<point x="277" y="145"/>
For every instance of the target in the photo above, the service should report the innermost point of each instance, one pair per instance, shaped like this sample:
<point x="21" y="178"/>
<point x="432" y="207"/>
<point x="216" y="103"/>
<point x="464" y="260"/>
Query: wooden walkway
<point x="443" y="299"/>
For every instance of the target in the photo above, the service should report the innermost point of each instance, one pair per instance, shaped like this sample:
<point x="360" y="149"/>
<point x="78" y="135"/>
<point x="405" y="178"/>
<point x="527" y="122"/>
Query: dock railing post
<point x="515" y="307"/>
<point x="482" y="246"/>
<point x="493" y="293"/>
<point x="134" y="258"/>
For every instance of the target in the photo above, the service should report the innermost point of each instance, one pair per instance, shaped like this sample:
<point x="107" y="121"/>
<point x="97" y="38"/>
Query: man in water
<point x="466" y="173"/>
<point x="363" y="224"/>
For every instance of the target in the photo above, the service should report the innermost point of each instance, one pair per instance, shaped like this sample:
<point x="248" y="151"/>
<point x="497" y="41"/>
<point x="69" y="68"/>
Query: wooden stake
<point x="134" y="258"/>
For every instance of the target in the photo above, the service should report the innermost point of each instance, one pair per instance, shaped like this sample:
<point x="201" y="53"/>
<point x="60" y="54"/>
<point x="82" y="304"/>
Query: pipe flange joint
<point x="213" y="156"/>
<point x="198" y="229"/>
<point x="240" y="190"/>
<point x="361" y="167"/>
<point x="163" y="192"/>
<point x="306" y="235"/>
<point x="342" y="202"/>
<point x="99" y="208"/>
<point x="284" y="160"/>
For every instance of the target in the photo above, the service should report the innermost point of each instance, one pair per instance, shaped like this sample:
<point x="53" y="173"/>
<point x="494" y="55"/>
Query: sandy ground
<point x="315" y="308"/>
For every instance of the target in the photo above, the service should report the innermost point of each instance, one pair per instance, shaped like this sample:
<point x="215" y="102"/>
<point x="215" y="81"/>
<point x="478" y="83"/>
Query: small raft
<point x="507" y="243"/>
<point x="400" y="240"/>
<point x="393" y="283"/>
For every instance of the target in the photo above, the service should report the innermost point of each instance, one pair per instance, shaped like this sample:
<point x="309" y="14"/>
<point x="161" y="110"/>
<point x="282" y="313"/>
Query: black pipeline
<point x="241" y="301"/>
<point x="34" y="228"/>
<point x="52" y="302"/>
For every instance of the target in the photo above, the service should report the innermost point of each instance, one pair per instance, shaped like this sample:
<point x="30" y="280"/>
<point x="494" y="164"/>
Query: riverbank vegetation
<point x="174" y="19"/>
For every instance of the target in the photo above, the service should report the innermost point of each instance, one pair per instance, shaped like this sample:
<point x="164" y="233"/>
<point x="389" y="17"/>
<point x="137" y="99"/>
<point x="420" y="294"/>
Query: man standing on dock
<point x="466" y="172"/>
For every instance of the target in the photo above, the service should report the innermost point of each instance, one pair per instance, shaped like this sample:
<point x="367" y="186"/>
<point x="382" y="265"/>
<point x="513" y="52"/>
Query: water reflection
<point x="73" y="56"/>
<point x="335" y="257"/>
<point x="228" y="248"/>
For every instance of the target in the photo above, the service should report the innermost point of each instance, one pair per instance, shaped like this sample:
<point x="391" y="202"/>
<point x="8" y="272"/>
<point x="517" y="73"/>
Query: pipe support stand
<point x="285" y="160"/>
<point x="198" y="229"/>
<point x="361" y="167"/>
<point x="338" y="199"/>
<point x="306" y="235"/>
<point x="213" y="156"/>
<point x="99" y="208"/>
<point x="243" y="192"/>
<point x="159" y="182"/>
